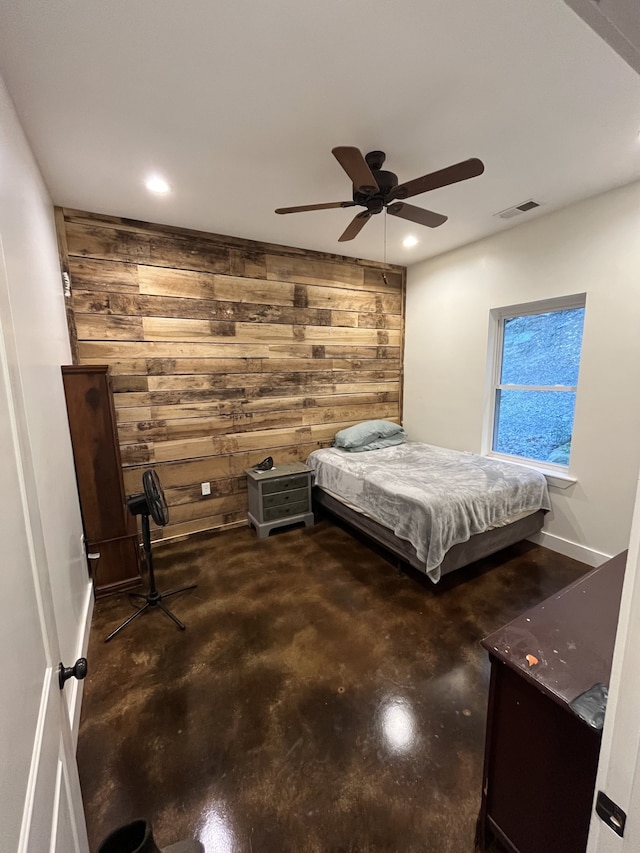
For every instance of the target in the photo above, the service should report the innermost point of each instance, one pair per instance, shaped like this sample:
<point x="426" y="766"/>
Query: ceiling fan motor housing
<point x="375" y="200"/>
<point x="375" y="160"/>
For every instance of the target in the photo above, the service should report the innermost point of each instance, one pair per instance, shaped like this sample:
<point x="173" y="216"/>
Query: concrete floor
<point x="318" y="701"/>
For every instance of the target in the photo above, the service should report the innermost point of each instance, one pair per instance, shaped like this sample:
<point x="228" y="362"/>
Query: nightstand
<point x="279" y="497"/>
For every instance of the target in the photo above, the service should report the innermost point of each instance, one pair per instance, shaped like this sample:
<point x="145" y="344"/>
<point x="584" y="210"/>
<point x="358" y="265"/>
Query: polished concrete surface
<point x="318" y="700"/>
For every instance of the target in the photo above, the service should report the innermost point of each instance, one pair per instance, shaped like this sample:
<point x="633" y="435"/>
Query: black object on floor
<point x="137" y="837"/>
<point x="150" y="502"/>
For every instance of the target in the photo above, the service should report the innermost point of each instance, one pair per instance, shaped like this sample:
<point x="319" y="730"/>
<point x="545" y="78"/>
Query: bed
<point x="436" y="509"/>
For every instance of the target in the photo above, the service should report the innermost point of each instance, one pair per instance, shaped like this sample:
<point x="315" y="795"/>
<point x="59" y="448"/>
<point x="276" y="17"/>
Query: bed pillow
<point x="380" y="443"/>
<point x="364" y="433"/>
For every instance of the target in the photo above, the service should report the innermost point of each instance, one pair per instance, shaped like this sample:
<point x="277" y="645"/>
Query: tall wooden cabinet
<point x="110" y="530"/>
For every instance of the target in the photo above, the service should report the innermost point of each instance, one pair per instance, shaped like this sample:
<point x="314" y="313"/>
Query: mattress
<point x="430" y="496"/>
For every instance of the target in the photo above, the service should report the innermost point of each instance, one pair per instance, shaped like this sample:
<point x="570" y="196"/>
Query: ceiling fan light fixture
<point x="157" y="184"/>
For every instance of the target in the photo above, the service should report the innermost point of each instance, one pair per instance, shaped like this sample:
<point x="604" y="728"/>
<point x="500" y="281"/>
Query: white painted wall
<point x="591" y="247"/>
<point x="34" y="328"/>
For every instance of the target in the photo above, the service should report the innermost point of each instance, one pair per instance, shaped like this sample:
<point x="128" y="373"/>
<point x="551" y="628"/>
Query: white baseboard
<point x="570" y="549"/>
<point x="82" y="644"/>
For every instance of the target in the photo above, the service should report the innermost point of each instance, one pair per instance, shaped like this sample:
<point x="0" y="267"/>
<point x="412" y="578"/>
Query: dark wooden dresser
<point x="110" y="531"/>
<point x="541" y="757"/>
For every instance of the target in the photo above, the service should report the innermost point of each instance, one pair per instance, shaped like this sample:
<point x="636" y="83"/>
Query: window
<point x="535" y="378"/>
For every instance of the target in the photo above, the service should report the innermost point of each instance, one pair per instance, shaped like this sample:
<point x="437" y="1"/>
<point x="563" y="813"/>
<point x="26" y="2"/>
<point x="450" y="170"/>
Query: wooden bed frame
<point x="478" y="546"/>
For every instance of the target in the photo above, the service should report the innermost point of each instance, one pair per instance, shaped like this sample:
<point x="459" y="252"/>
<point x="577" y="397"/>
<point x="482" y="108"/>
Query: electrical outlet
<point x="206" y="488"/>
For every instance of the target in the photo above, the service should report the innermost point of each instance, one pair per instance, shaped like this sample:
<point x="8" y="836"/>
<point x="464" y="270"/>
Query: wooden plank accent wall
<point x="224" y="351"/>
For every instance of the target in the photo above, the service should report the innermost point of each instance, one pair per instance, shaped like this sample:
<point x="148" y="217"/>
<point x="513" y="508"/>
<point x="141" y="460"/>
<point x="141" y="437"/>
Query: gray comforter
<point x="430" y="496"/>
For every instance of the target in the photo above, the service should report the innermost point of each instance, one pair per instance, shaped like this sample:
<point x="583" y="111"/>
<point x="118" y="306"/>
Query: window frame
<point x="497" y="318"/>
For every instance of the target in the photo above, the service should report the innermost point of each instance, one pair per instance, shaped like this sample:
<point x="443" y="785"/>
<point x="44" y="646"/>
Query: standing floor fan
<point x="151" y="502"/>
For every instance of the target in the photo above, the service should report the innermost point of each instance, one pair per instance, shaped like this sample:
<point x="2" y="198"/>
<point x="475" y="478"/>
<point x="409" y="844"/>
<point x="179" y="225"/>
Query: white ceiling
<point x="239" y="104"/>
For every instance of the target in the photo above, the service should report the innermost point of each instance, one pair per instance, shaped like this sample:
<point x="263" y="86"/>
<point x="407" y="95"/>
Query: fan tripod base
<point x="152" y="599"/>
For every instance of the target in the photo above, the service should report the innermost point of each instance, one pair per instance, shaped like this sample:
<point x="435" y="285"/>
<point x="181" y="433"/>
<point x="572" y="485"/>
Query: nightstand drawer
<point x="291" y="497"/>
<point x="274" y="512"/>
<point x="282" y="484"/>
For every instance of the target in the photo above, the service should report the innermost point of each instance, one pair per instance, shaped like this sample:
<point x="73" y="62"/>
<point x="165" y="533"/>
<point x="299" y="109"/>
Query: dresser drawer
<point x="282" y="484"/>
<point x="281" y="498"/>
<point x="274" y="512"/>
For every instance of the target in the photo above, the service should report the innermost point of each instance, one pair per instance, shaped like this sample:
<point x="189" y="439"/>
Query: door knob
<point x="78" y="670"/>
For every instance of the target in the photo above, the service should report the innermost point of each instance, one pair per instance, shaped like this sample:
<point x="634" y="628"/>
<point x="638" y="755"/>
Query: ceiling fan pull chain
<point x="384" y="251"/>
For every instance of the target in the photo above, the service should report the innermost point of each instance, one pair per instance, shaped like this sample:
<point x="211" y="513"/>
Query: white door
<point x="619" y="766"/>
<point x="41" y="806"/>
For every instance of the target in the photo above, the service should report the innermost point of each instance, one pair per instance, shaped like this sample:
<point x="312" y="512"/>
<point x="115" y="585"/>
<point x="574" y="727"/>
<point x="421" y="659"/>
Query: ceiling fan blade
<point x="356" y="167"/>
<point x="442" y="178"/>
<point x="355" y="226"/>
<point x="327" y="206"/>
<point x="416" y="214"/>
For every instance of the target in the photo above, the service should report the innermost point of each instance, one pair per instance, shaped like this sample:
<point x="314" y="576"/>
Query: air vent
<point x="524" y="207"/>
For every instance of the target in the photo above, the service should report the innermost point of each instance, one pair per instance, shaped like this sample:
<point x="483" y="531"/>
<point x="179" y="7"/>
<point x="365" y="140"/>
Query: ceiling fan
<point x="376" y="189"/>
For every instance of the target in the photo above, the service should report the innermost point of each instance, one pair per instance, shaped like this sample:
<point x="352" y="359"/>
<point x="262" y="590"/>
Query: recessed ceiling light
<point x="410" y="241"/>
<point x="156" y="184"/>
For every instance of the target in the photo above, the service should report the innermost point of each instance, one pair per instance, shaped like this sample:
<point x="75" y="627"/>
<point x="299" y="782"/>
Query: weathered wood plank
<point x="214" y="366"/>
<point x="97" y="301"/>
<point x="231" y="400"/>
<point x="344" y="299"/>
<point x="320" y="272"/>
<point x="333" y="351"/>
<point x="173" y="329"/>
<point x="175" y="411"/>
<point x="127" y="382"/>
<point x="178" y="474"/>
<point x="124" y="399"/>
<point x="167" y="430"/>
<point x="317" y="335"/>
<point x="185" y="284"/>
<point x="314" y="416"/>
<point x="247" y="263"/>
<point x="110" y="351"/>
<point x="207" y="506"/>
<point x="137" y="454"/>
<point x="169" y="329"/>
<point x="311" y="271"/>
<point x="192" y="492"/>
<point x="101" y="302"/>
<point x="104" y="327"/>
<point x="147" y="247"/>
<point x="266" y="381"/>
<point x="158" y="281"/>
<point x="112" y="276"/>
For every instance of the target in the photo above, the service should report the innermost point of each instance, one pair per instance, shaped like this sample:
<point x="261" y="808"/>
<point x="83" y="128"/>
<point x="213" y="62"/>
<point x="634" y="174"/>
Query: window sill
<point x="555" y="477"/>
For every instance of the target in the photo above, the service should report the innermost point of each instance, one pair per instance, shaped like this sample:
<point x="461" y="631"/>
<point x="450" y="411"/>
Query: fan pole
<point x="152" y="596"/>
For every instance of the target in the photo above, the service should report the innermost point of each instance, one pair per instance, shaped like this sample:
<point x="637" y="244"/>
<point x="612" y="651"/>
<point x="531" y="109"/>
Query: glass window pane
<point x="535" y="424"/>
<point x="542" y="349"/>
